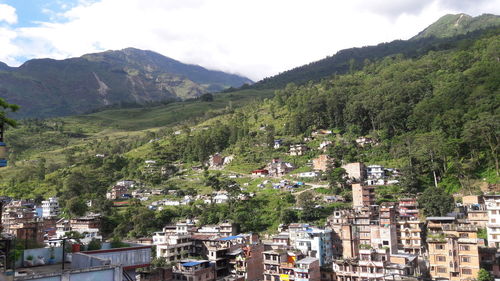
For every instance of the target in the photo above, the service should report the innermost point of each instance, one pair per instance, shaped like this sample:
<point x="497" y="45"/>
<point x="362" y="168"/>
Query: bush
<point x="94" y="245"/>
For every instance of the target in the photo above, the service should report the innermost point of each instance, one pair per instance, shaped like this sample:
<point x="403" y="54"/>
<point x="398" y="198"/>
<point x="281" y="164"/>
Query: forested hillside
<point x="435" y="118"/>
<point x="447" y="33"/>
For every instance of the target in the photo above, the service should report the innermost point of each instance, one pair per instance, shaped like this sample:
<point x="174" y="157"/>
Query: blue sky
<point x="31" y="12"/>
<point x="255" y="38"/>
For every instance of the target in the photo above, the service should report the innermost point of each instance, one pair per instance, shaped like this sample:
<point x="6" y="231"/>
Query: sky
<point x="254" y="38"/>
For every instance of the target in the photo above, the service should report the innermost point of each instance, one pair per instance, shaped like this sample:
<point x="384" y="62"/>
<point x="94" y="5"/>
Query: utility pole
<point x="3" y="147"/>
<point x="63" y="252"/>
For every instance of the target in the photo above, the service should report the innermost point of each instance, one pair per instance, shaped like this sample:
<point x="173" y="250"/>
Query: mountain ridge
<point x="48" y="87"/>
<point x="347" y="60"/>
<point x="457" y="24"/>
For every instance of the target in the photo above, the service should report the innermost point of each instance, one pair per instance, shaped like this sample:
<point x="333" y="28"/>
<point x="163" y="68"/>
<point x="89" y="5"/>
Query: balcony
<point x="287" y="265"/>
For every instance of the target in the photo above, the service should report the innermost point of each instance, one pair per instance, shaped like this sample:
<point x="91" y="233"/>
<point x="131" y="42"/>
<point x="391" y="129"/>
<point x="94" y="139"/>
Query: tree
<point x="308" y="205"/>
<point x="409" y="180"/>
<point x="484" y="275"/>
<point x="3" y="115"/>
<point x="289" y="216"/>
<point x="76" y="207"/>
<point x="435" y="202"/>
<point x="485" y="130"/>
<point x="94" y="244"/>
<point x="337" y="179"/>
<point x="207" y="97"/>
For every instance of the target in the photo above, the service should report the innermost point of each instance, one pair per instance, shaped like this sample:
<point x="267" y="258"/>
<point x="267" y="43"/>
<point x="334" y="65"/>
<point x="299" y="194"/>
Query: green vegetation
<point x="442" y="35"/>
<point x="435" y="202"/>
<point x="484" y="275"/>
<point x="453" y="25"/>
<point x="3" y="115"/>
<point x="434" y="116"/>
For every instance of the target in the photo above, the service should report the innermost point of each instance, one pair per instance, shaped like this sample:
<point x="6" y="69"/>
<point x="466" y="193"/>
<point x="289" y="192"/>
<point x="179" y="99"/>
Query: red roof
<point x="263" y="171"/>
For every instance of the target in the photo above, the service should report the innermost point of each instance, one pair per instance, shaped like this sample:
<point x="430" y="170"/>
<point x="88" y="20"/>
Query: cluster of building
<point x="367" y="242"/>
<point x="27" y="221"/>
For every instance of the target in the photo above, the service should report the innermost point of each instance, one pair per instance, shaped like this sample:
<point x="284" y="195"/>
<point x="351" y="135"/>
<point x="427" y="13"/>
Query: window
<point x="465" y="259"/>
<point x="439" y="246"/>
<point x="466" y="271"/>
<point x="464" y="247"/>
<point x="441" y="269"/>
<point x="464" y="235"/>
<point x="440" y="258"/>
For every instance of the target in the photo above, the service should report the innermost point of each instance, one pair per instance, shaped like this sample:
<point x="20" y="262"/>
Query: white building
<point x="375" y="172"/>
<point x="220" y="198"/>
<point x="126" y="183"/>
<point x="493" y="226"/>
<point x="308" y="175"/>
<point x="50" y="208"/>
<point x="174" y="247"/>
<point x="313" y="242"/>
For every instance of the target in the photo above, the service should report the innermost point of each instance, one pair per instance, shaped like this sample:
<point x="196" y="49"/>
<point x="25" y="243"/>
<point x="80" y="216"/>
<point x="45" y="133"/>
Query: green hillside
<point x="460" y="24"/>
<point x="434" y="117"/>
<point x="442" y="35"/>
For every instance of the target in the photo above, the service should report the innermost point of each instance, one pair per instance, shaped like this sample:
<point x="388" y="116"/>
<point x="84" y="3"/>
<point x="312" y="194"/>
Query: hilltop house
<point x="298" y="149"/>
<point x="322" y="162"/>
<point x="278" y="168"/>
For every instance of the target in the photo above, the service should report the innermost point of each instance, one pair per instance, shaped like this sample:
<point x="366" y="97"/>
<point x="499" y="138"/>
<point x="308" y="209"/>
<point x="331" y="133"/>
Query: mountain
<point x="437" y="36"/>
<point x="47" y="87"/>
<point x="453" y="25"/>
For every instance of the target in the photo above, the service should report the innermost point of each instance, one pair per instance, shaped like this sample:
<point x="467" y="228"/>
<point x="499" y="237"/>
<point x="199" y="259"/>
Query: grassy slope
<point x="145" y="118"/>
<point x="120" y="123"/>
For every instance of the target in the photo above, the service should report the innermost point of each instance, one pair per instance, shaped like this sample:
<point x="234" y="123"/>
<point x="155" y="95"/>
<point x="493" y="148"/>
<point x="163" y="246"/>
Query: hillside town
<point x="390" y="241"/>
<point x="372" y="163"/>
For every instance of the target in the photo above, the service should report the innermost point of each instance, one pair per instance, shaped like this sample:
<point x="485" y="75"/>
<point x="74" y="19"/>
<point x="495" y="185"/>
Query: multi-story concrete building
<point x="408" y="208"/>
<point x="453" y="249"/>
<point x="246" y="263"/>
<point x="272" y="261"/>
<point x="362" y="195"/>
<point x="199" y="270"/>
<point x="372" y="264"/>
<point x="116" y="192"/>
<point x="375" y="172"/>
<point x="174" y="247"/>
<point x="410" y="236"/>
<point x="493" y="226"/>
<point x="88" y="226"/>
<point x="475" y="209"/>
<point x="307" y="269"/>
<point x="316" y="243"/>
<point x="50" y="208"/>
<point x="280" y="264"/>
<point x="356" y="172"/>
<point x="298" y="149"/>
<point x="354" y="228"/>
<point x="322" y="163"/>
<point x="19" y="219"/>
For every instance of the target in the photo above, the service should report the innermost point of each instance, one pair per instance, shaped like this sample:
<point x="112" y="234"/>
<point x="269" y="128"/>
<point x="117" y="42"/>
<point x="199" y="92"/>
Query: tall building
<point x="355" y="171"/>
<point x="493" y="225"/>
<point x="453" y="249"/>
<point x="410" y="236"/>
<point x="362" y="195"/>
<point x="19" y="219"/>
<point x="408" y="208"/>
<point x="50" y="208"/>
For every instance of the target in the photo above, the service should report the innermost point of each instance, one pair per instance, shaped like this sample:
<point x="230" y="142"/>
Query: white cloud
<point x="8" y="14"/>
<point x="256" y="38"/>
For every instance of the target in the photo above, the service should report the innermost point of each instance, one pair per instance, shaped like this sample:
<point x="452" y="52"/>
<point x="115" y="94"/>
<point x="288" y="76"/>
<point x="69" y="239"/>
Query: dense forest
<point x="354" y="59"/>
